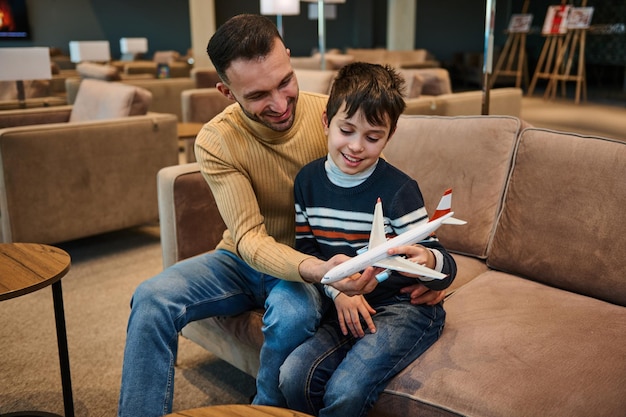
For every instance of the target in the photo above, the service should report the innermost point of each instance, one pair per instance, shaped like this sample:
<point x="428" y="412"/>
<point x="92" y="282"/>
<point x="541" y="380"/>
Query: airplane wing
<point x="397" y="263"/>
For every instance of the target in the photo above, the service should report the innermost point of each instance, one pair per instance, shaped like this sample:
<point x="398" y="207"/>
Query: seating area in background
<point x="68" y="172"/>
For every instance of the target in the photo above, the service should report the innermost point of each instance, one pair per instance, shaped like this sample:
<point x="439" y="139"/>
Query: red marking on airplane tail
<point x="445" y="205"/>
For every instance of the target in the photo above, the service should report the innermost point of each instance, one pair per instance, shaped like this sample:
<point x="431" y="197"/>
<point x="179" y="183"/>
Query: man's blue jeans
<point x="335" y="375"/>
<point x="213" y="284"/>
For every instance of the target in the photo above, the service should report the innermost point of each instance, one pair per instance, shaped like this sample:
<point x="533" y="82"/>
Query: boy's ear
<point x="325" y="122"/>
<point x="325" y="119"/>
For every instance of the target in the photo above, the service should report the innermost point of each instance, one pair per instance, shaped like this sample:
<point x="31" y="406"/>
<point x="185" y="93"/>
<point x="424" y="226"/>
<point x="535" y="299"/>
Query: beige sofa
<point x="166" y="92"/>
<point x="536" y="318"/>
<point x="70" y="172"/>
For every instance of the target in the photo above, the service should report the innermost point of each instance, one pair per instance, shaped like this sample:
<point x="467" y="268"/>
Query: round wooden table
<point x="29" y="267"/>
<point x="238" y="410"/>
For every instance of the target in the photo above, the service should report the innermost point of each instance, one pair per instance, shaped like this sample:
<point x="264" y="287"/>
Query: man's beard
<point x="278" y="127"/>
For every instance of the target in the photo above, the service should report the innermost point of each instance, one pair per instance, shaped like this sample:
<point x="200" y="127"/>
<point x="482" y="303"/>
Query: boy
<point x="341" y="370"/>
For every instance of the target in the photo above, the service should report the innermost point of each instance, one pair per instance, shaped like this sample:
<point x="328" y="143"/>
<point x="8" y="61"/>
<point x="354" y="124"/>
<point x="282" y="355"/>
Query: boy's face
<point x="266" y="88"/>
<point x="353" y="144"/>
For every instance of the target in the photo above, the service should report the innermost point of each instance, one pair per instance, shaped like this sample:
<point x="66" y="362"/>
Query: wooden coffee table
<point x="238" y="410"/>
<point x="29" y="267"/>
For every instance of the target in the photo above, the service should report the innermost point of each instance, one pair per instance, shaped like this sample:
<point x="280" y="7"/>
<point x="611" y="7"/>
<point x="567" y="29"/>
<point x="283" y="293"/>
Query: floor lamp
<point x="280" y="8"/>
<point x="131" y="48"/>
<point x="94" y="51"/>
<point x="321" y="26"/>
<point x="20" y="64"/>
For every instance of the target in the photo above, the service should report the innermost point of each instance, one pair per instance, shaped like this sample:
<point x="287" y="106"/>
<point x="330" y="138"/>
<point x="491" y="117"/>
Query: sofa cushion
<point x="99" y="100"/>
<point x="563" y="218"/>
<point x="98" y="71"/>
<point x="474" y="161"/>
<point x="517" y="348"/>
<point x="315" y="81"/>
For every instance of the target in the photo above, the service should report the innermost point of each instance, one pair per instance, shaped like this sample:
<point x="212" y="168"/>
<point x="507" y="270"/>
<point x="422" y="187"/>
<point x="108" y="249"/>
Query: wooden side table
<point x="29" y="267"/>
<point x="187" y="133"/>
<point x="239" y="410"/>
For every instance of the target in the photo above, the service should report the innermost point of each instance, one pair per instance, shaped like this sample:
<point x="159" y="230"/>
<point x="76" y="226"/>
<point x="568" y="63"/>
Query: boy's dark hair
<point x="374" y="89"/>
<point x="245" y="36"/>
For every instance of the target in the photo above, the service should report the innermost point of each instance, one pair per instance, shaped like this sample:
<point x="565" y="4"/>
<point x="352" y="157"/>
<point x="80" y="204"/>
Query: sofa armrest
<point x="189" y="219"/>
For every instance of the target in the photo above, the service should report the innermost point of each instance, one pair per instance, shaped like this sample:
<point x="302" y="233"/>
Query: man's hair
<point x="246" y="36"/>
<point x="374" y="89"/>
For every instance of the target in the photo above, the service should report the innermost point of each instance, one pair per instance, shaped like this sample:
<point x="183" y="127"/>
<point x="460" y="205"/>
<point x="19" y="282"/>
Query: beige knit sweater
<point x="250" y="169"/>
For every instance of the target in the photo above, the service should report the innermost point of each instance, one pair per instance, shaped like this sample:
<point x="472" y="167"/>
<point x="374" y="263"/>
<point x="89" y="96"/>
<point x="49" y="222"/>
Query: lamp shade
<point x="99" y="51"/>
<point x="134" y="45"/>
<point x="280" y="7"/>
<point x="25" y="64"/>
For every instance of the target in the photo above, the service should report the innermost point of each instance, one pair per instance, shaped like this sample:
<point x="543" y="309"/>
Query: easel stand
<point x="545" y="70"/>
<point x="574" y="40"/>
<point x="514" y="53"/>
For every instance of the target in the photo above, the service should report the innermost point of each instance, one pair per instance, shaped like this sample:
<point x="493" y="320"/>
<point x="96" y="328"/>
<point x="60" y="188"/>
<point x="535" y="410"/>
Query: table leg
<point x="64" y="359"/>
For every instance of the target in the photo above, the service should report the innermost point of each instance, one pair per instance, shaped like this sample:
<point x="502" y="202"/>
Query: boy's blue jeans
<point x="208" y="285"/>
<point x="336" y="375"/>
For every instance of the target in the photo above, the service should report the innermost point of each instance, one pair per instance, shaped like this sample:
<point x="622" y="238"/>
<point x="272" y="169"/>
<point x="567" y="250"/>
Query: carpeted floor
<point x="105" y="270"/>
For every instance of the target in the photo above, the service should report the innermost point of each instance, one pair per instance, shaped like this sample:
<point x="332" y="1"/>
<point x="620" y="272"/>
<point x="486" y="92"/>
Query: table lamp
<point x="280" y="8"/>
<point x="95" y="51"/>
<point x="18" y="64"/>
<point x="131" y="47"/>
<point x="322" y="7"/>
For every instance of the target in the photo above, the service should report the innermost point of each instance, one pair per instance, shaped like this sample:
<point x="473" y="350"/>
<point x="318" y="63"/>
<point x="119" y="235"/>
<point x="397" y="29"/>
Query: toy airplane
<point x="376" y="251"/>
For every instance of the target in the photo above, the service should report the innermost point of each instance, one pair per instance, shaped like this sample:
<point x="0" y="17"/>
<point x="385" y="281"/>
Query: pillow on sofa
<point x="436" y="81"/>
<point x="414" y="83"/>
<point x="98" y="71"/>
<point x="99" y="100"/>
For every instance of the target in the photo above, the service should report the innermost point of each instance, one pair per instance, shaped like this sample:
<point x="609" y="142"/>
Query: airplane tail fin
<point x="444" y="207"/>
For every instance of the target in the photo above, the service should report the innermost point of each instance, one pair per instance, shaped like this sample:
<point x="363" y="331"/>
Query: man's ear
<point x="223" y="88"/>
<point x="288" y="52"/>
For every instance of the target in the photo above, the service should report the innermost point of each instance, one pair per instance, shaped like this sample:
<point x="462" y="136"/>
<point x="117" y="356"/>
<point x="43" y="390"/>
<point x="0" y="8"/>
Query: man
<point x="249" y="155"/>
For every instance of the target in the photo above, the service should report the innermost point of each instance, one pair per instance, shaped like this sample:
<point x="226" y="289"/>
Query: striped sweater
<point x="250" y="170"/>
<point x="332" y="219"/>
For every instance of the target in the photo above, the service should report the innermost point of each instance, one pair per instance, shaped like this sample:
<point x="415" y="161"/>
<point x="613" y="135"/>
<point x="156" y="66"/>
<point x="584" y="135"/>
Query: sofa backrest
<point x="315" y="81"/>
<point x="199" y="105"/>
<point x="101" y="100"/>
<point x="563" y="221"/>
<point x="474" y="161"/>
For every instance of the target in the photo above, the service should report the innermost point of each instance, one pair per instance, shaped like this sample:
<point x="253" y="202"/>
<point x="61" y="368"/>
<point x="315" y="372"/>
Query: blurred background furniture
<point x="68" y="172"/>
<point x="28" y="267"/>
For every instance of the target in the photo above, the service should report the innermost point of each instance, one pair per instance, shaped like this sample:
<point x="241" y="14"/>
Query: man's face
<point x="266" y="88"/>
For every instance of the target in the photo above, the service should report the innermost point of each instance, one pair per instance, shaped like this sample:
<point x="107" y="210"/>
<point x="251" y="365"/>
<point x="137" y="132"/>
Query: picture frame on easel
<point x="555" y="22"/>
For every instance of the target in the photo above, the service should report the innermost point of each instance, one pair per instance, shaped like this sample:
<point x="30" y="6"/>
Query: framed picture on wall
<point x="579" y="17"/>
<point x="556" y="20"/>
<point x="520" y="23"/>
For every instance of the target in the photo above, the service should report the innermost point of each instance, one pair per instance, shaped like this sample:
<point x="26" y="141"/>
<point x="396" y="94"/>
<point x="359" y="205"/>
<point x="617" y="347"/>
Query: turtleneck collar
<point x="341" y="179"/>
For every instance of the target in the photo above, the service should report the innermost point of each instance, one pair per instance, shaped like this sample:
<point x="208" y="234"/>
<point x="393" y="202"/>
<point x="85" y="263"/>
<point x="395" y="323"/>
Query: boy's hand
<point x="349" y="311"/>
<point x="420" y="294"/>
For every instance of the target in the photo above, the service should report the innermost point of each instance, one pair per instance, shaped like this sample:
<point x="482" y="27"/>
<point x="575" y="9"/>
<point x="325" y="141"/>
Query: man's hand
<point x="313" y="270"/>
<point x="420" y="294"/>
<point x="349" y="312"/>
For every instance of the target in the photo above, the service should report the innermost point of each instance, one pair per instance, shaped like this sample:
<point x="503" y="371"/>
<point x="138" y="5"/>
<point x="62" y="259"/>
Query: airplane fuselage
<point x="378" y="253"/>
